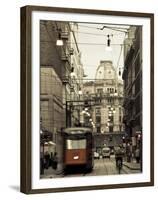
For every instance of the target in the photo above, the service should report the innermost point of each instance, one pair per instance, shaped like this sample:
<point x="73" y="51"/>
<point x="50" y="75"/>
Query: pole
<point x="42" y="160"/>
<point x="66" y="115"/>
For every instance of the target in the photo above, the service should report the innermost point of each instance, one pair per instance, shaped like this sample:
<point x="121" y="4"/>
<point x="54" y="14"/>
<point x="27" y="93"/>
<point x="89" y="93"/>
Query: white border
<point x="38" y="183"/>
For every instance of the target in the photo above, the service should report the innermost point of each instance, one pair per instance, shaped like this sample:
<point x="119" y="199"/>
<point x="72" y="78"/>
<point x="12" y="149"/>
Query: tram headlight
<point x="76" y="157"/>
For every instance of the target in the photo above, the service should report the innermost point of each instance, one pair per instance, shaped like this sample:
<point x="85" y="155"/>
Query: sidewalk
<point x="132" y="165"/>
<point x="52" y="173"/>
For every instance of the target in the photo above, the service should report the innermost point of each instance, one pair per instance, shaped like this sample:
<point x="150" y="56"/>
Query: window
<point x="110" y="90"/>
<point x="111" y="118"/>
<point x="100" y="90"/>
<point x="98" y="101"/>
<point x="110" y="128"/>
<point x="97" y="110"/>
<point x="98" y="129"/>
<point x="110" y="100"/>
<point x="98" y="119"/>
<point x="76" y="144"/>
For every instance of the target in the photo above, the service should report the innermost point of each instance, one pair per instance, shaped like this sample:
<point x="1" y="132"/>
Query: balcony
<point x="65" y="58"/>
<point x="72" y="88"/>
<point x="64" y="35"/>
<point x="66" y="80"/>
<point x="71" y="51"/>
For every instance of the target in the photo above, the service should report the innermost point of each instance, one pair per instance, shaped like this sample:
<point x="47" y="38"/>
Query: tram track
<point x="101" y="167"/>
<point x="105" y="167"/>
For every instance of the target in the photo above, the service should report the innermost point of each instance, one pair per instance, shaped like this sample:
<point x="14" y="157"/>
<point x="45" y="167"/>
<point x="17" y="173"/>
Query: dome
<point x="106" y="70"/>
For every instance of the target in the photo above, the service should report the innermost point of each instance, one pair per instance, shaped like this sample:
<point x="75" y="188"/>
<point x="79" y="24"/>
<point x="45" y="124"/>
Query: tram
<point x="78" y="148"/>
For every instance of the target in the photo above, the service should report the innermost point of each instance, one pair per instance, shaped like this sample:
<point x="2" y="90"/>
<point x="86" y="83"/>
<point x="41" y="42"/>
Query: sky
<point x="92" y="54"/>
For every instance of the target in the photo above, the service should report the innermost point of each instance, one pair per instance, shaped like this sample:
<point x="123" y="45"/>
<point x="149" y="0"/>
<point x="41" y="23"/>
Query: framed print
<point x="87" y="99"/>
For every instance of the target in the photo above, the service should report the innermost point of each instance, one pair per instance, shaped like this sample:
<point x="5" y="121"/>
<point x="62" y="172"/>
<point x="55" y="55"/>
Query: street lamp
<point x="80" y="91"/>
<point x="87" y="113"/>
<point x="115" y="94"/>
<point x="83" y="111"/>
<point x="59" y="41"/>
<point x="72" y="74"/>
<point x="112" y="111"/>
<point x="86" y="109"/>
<point x="108" y="47"/>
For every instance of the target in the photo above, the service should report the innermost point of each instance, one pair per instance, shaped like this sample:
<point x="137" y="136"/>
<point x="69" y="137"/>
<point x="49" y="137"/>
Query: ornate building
<point x="106" y="93"/>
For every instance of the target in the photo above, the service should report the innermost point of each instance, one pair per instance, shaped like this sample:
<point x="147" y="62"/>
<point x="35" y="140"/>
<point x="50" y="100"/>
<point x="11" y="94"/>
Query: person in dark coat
<point x="47" y="160"/>
<point x="119" y="154"/>
<point x="55" y="161"/>
<point x="137" y="155"/>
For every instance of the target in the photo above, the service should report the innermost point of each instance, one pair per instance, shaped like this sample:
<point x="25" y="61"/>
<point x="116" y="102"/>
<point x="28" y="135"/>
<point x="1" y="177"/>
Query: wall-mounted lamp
<point x="119" y="72"/>
<point x="83" y="111"/>
<point x="59" y="41"/>
<point x="72" y="71"/>
<point x="115" y="93"/>
<point x="80" y="91"/>
<point x="111" y="111"/>
<point x="88" y="114"/>
<point x="86" y="109"/>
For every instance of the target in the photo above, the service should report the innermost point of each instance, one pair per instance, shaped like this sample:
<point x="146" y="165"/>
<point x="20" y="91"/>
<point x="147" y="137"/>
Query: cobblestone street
<point x="101" y="167"/>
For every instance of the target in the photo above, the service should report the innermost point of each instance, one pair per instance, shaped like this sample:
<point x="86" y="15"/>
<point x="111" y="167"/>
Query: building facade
<point x="132" y="76"/>
<point x="105" y="95"/>
<point x="57" y="83"/>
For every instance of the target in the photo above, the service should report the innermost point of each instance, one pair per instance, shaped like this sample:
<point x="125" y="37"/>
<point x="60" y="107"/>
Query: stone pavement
<point x="132" y="165"/>
<point x="52" y="173"/>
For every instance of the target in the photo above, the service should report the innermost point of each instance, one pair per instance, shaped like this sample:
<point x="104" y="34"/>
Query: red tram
<point x="78" y="148"/>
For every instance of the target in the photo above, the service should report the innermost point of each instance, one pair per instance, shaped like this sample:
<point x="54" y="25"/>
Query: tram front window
<point x="76" y="144"/>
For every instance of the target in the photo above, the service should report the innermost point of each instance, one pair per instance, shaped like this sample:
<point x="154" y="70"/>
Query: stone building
<point x="57" y="83"/>
<point x="132" y="76"/>
<point x="105" y="94"/>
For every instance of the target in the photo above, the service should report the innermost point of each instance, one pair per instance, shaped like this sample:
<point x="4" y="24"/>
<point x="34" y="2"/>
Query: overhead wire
<point x="101" y="44"/>
<point x="109" y="26"/>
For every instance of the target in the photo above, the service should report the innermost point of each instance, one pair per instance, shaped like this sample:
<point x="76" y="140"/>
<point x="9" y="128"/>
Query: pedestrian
<point x="51" y="158"/>
<point x="47" y="160"/>
<point x="119" y="154"/>
<point x="55" y="161"/>
<point x="41" y="163"/>
<point x="137" y="155"/>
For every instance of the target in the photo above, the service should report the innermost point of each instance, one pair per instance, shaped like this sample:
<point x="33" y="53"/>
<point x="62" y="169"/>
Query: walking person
<point x="47" y="160"/>
<point x="55" y="161"/>
<point x="137" y="155"/>
<point x="119" y="154"/>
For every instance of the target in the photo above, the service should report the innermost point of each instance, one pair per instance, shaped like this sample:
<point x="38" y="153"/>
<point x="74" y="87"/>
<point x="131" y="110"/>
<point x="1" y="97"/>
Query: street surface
<point x="102" y="166"/>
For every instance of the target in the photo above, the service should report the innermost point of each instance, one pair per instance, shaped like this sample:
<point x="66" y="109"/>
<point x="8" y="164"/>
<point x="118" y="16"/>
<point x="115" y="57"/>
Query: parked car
<point x="106" y="152"/>
<point x="96" y="155"/>
<point x="112" y="152"/>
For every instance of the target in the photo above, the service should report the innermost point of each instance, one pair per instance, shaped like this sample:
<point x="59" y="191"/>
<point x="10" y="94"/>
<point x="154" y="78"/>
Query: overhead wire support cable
<point x="115" y="29"/>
